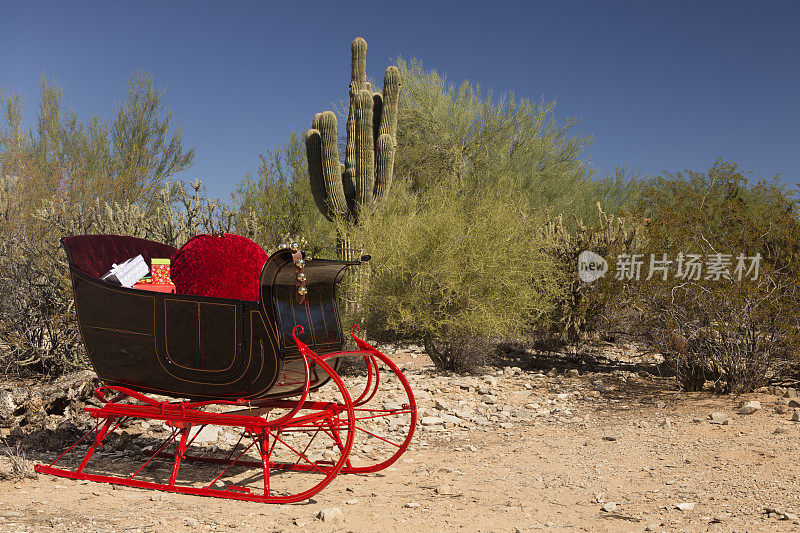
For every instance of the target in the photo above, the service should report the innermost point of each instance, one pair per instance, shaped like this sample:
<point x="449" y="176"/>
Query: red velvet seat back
<point x="94" y="254"/>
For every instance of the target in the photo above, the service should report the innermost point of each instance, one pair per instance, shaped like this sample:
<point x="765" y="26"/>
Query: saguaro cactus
<point x="344" y="190"/>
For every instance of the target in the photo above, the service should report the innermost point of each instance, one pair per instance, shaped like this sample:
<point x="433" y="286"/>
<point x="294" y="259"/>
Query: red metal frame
<point x="283" y="434"/>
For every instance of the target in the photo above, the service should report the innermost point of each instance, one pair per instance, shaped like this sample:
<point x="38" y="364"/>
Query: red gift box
<point x="159" y="271"/>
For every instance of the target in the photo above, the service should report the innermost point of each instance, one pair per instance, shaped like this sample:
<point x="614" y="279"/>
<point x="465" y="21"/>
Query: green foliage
<point x="127" y="158"/>
<point x="67" y="178"/>
<point x="38" y="328"/>
<point x="583" y="305"/>
<point x="452" y="265"/>
<point x="619" y="191"/>
<point x="366" y="176"/>
<point x="487" y="143"/>
<point x="736" y="331"/>
<point x="278" y="200"/>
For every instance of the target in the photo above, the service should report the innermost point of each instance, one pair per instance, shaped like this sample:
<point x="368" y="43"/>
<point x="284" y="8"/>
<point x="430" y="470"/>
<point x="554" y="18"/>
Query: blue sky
<point x="660" y="85"/>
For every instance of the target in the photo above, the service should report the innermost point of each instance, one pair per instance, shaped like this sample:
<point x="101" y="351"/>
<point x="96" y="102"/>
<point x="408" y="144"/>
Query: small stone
<point x="685" y="506"/>
<point x="330" y="455"/>
<point x="652" y="527"/>
<point x="440" y="405"/>
<point x="411" y="505"/>
<point x="609" y="438"/>
<point x="352" y="501"/>
<point x="748" y="408"/>
<point x="781" y="409"/>
<point x="207" y="435"/>
<point x="489" y="399"/>
<point x="609" y="507"/>
<point x="553" y="372"/>
<point x="790" y="393"/>
<point x="661" y="405"/>
<point x="573" y="373"/>
<point x="780" y="429"/>
<point x="599" y="386"/>
<point x="450" y="419"/>
<point x="193" y="523"/>
<point x="447" y="490"/>
<point x="794" y="403"/>
<point x="666" y="423"/>
<point x="719" y="418"/>
<point x="697" y="420"/>
<point x="431" y="421"/>
<point x="330" y="514"/>
<point x="795" y="416"/>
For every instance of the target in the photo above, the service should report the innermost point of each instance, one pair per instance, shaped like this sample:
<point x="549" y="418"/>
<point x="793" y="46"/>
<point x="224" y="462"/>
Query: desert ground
<point x="538" y="444"/>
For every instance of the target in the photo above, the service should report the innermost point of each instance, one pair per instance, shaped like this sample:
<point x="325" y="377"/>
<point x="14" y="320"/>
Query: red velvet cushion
<point x="227" y="266"/>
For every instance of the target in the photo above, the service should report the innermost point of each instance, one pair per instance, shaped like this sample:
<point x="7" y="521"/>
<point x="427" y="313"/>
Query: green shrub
<point x="453" y="266"/>
<point x="582" y="308"/>
<point x="69" y="178"/>
<point x="736" y="331"/>
<point x="506" y="143"/>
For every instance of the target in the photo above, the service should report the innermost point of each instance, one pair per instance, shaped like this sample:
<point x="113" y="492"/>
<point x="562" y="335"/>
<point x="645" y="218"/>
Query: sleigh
<point x="261" y="376"/>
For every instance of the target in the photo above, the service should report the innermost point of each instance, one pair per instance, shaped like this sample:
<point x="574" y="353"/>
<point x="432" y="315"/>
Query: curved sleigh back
<point x="285" y="306"/>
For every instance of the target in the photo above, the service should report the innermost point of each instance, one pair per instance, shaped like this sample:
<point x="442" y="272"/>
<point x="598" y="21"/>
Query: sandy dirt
<point x="603" y="451"/>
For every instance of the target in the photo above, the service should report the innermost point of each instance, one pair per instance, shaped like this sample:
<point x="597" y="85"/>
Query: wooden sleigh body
<point x="255" y="369"/>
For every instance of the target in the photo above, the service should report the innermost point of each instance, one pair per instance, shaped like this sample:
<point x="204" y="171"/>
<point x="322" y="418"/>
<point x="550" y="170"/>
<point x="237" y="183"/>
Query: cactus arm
<point x="358" y="77"/>
<point x="314" y="153"/>
<point x="324" y="168"/>
<point x="391" y="101"/>
<point x="365" y="150"/>
<point x="384" y="164"/>
<point x="331" y="167"/>
<point x="349" y="188"/>
<point x="386" y="140"/>
<point x="350" y="148"/>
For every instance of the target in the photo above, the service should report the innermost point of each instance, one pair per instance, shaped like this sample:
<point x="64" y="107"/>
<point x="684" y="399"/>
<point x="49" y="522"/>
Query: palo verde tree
<point x="342" y="191"/>
<point x="65" y="177"/>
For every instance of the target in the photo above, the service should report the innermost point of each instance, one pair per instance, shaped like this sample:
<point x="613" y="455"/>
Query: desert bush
<point x="727" y="325"/>
<point x="736" y="334"/>
<point x="67" y="178"/>
<point x="582" y="308"/>
<point x="455" y="266"/>
<point x="38" y="327"/>
<point x="444" y="130"/>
